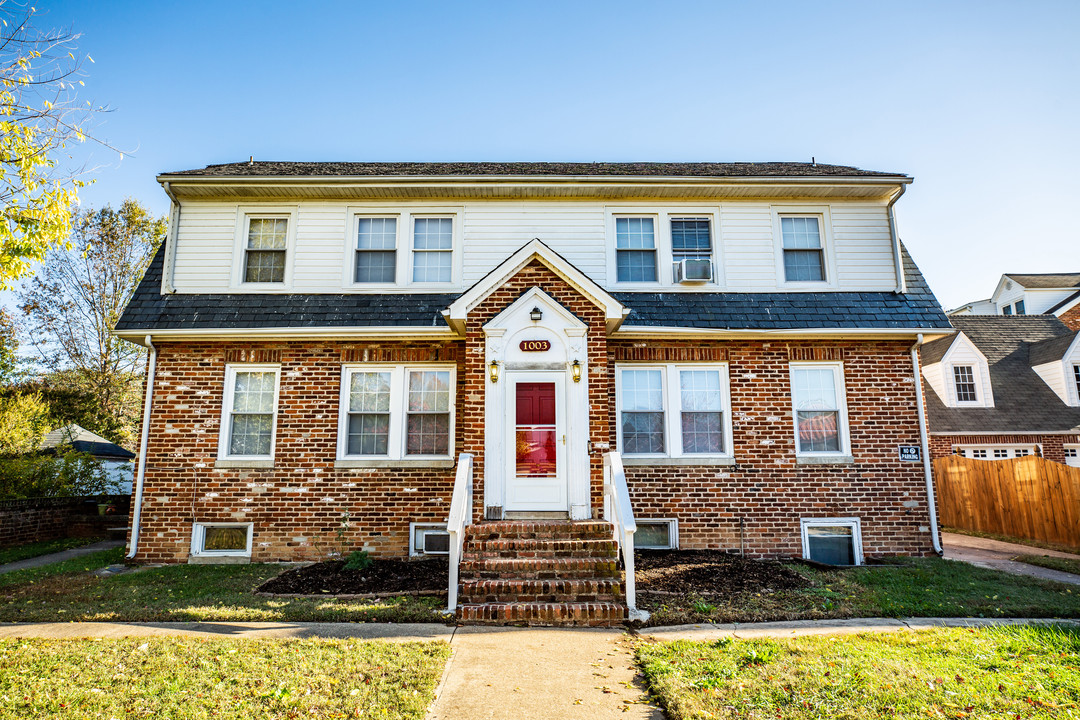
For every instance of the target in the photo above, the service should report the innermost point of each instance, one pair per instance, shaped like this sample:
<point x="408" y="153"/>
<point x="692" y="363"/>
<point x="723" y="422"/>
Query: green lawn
<point x="22" y="552"/>
<point x="1008" y="672"/>
<point x="183" y="678"/>
<point x="1069" y="565"/>
<point x="926" y="587"/>
<point x="181" y="593"/>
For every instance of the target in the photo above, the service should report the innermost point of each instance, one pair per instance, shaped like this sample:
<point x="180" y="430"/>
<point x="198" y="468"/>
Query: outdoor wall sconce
<point x="535" y="315"/>
<point x="575" y="371"/>
<point x="493" y="371"/>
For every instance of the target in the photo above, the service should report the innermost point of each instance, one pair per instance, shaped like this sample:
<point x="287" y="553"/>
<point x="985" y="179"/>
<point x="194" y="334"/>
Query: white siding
<point x="747" y="247"/>
<point x="1037" y="302"/>
<point x="494" y="231"/>
<point x="205" y="247"/>
<point x="963" y="352"/>
<point x="864" y="249"/>
<point x="935" y="378"/>
<point x="1053" y="374"/>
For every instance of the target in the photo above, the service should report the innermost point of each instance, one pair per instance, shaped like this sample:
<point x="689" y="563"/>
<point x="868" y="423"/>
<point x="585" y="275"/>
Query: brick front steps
<point x="541" y="572"/>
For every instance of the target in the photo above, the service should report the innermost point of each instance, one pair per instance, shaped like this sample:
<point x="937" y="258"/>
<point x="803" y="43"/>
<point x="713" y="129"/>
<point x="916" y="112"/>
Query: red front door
<point x="535" y="436"/>
<point x="536" y="472"/>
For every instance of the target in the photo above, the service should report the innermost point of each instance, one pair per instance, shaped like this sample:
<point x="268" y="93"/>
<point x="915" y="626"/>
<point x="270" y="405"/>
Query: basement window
<point x="832" y="541"/>
<point x="429" y="539"/>
<point x="221" y="539"/>
<point x="657" y="534"/>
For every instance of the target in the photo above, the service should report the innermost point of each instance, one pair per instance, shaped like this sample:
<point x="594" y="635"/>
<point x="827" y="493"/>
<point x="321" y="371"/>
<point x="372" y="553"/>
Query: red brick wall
<point x="767" y="490"/>
<point x="1052" y="445"/>
<point x="296" y="506"/>
<point x="1071" y="317"/>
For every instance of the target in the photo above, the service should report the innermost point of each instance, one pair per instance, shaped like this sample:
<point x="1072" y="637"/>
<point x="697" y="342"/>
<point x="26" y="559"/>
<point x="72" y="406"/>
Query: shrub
<point x="359" y="560"/>
<point x="69" y="474"/>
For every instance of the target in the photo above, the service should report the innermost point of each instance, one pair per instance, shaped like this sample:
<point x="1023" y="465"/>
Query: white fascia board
<point x="614" y="311"/>
<point x="961" y="337"/>
<point x="645" y="331"/>
<point x="482" y="180"/>
<point x="315" y="333"/>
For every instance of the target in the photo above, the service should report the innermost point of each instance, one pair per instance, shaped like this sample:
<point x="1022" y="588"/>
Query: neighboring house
<point x="330" y="337"/>
<point x="1005" y="387"/>
<point x="1055" y="294"/>
<point x="116" y="461"/>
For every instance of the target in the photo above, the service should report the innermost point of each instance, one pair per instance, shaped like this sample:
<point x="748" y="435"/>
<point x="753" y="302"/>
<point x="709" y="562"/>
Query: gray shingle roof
<point x="265" y="168"/>
<point x="1046" y="280"/>
<point x="150" y="310"/>
<point x="82" y="440"/>
<point x="1050" y="350"/>
<point x="1022" y="401"/>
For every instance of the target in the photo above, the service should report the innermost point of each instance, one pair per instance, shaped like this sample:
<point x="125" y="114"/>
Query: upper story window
<point x="249" y="412"/>
<point x="1076" y="380"/>
<point x="674" y="410"/>
<point x="964" y="383"/>
<point x="820" y="415"/>
<point x="433" y="246"/>
<point x="376" y="249"/>
<point x="804" y="257"/>
<point x="635" y="249"/>
<point x="691" y="240"/>
<point x="1007" y="310"/>
<point x="1019" y="307"/>
<point x="267" y="246"/>
<point x="396" y="412"/>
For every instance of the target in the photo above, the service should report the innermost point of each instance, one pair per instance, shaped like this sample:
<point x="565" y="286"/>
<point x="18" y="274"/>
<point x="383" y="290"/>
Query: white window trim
<point x="1075" y="461"/>
<point x="828" y="247"/>
<point x="414" y="527"/>
<point x="1071" y="364"/>
<point x="976" y="381"/>
<point x="662" y="217"/>
<point x="853" y="522"/>
<point x="673" y="533"/>
<point x="980" y="368"/>
<point x="669" y="373"/>
<point x="244" y="215"/>
<point x="398" y="412"/>
<point x="1033" y="449"/>
<point x="198" y="537"/>
<point x="841" y="389"/>
<point x="227" y="406"/>
<point x="403" y="250"/>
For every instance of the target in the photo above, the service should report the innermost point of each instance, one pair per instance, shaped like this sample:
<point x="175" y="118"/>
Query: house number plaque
<point x="535" y="345"/>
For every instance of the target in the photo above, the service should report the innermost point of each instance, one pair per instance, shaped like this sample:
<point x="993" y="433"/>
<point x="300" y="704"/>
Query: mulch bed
<point x="384" y="576"/>
<point x="710" y="572"/>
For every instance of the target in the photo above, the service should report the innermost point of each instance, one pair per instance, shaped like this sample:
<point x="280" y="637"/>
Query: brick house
<point x="332" y="337"/>
<point x="1004" y="387"/>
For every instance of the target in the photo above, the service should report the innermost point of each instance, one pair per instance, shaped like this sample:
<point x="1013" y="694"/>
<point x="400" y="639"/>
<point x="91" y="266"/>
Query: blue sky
<point x="977" y="100"/>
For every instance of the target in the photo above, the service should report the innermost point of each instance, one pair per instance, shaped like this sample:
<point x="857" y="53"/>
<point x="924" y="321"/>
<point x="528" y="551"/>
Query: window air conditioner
<point x="693" y="270"/>
<point x="432" y="541"/>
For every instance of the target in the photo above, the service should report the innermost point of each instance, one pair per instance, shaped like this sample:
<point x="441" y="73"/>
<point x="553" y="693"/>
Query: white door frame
<point x="566" y="334"/>
<point x="513" y="377"/>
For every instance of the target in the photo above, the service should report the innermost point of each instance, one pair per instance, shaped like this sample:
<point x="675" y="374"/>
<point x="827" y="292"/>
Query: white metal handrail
<point x="460" y="516"/>
<point x="617" y="510"/>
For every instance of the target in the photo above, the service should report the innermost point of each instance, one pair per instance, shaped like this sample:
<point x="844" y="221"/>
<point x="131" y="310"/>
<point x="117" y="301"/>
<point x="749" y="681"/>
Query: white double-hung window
<point x="250" y="412"/>
<point x="817" y="396"/>
<point x="400" y="248"/>
<point x="396" y="412"/>
<point x="376" y="250"/>
<point x="674" y="410"/>
<point x="635" y="249"/>
<point x="433" y="249"/>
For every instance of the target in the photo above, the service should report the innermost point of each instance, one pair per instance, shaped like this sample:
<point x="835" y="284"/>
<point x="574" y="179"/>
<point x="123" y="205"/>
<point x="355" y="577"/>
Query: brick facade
<point x="1071" y="317"/>
<point x="296" y="506"/>
<point x="1052" y="445"/>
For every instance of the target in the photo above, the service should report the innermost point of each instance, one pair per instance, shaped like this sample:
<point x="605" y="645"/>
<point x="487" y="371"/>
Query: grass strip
<point x="229" y="679"/>
<point x="922" y="587"/>
<point x="1068" y="565"/>
<point x="1014" y="672"/>
<point x="187" y="593"/>
<point x="31" y="550"/>
<point x="77" y="565"/>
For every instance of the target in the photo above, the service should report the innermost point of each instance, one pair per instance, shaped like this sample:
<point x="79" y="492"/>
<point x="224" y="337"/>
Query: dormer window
<point x="1020" y="307"/>
<point x="267" y="244"/>
<point x="964" y="382"/>
<point x="1076" y="380"/>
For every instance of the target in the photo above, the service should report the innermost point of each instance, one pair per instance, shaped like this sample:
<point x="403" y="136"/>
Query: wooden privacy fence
<point x="1027" y="497"/>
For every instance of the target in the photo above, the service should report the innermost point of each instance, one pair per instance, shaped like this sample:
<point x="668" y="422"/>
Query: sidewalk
<point x="518" y="673"/>
<point x="998" y="555"/>
<point x="56" y="557"/>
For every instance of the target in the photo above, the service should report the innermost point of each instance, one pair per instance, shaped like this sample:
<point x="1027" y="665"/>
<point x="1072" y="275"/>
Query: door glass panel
<point x="535" y="433"/>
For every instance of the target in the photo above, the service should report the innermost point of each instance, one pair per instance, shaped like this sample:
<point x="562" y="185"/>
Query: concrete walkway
<point x="998" y="555"/>
<point x="517" y="673"/>
<point x="56" y="557"/>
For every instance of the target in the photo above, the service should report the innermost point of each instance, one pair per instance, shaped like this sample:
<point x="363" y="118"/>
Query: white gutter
<point x="653" y="331"/>
<point x="342" y="333"/>
<point x="167" y="273"/>
<point x="136" y="519"/>
<point x="898" y="263"/>
<point x="927" y="466"/>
